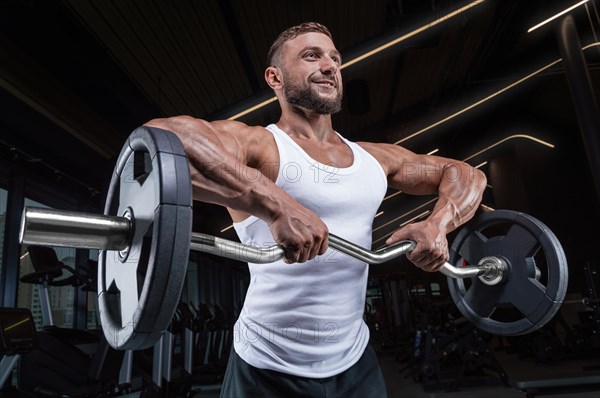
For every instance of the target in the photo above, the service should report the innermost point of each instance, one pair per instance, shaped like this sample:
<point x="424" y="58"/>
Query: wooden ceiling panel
<point x="351" y="23"/>
<point x="170" y="52"/>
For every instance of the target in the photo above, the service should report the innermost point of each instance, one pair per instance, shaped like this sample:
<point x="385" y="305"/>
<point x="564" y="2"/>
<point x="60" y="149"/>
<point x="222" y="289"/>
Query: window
<point x="3" y="200"/>
<point x="93" y="322"/>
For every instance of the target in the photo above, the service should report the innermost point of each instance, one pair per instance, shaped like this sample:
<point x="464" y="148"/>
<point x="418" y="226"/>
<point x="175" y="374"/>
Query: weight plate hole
<point x="506" y="313"/>
<point x="142" y="166"/>
<point x="540" y="261"/>
<point x="500" y="229"/>
<point x="113" y="298"/>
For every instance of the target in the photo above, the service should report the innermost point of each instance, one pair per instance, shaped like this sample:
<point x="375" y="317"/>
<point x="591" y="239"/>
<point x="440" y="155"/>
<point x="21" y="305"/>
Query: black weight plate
<point x="139" y="289"/>
<point x="521" y="304"/>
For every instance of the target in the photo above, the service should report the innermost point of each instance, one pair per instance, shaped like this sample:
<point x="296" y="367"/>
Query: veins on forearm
<point x="460" y="193"/>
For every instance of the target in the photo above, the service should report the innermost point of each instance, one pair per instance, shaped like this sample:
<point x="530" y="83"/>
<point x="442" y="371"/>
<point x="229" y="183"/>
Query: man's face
<point x="311" y="73"/>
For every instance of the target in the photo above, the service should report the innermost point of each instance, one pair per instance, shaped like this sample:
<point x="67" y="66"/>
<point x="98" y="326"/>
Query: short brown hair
<point x="292" y="33"/>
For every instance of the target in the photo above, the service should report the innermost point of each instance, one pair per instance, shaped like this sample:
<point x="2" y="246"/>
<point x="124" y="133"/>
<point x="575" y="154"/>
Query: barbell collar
<point x="495" y="270"/>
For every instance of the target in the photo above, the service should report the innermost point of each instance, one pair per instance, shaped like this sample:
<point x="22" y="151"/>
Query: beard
<point x="306" y="97"/>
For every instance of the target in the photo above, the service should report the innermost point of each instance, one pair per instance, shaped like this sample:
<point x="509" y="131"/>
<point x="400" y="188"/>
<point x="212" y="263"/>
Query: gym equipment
<point x="17" y="337"/>
<point x="527" y="246"/>
<point x="66" y="362"/>
<point x="47" y="365"/>
<point x="145" y="239"/>
<point x="592" y="279"/>
<point x="566" y="385"/>
<point x="139" y="285"/>
<point x="49" y="271"/>
<point x="151" y="189"/>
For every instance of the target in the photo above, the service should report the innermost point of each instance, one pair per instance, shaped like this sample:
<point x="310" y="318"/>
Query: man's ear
<point x="273" y="77"/>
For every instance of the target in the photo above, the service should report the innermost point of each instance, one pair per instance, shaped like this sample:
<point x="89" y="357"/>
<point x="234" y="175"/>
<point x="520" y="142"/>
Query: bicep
<point x="414" y="173"/>
<point x="235" y="138"/>
<point x="199" y="135"/>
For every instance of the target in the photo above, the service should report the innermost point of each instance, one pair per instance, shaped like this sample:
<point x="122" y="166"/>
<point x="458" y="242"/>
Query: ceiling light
<point x="476" y="104"/>
<point x="411" y="34"/>
<point x="489" y="97"/>
<point x="405" y="214"/>
<point x="510" y="137"/>
<point x="374" y="51"/>
<point x="556" y="16"/>
<point x="227" y="228"/>
<point x="404" y="223"/>
<point x="415" y="218"/>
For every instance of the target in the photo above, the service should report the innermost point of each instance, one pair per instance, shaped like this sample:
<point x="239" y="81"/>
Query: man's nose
<point x="328" y="65"/>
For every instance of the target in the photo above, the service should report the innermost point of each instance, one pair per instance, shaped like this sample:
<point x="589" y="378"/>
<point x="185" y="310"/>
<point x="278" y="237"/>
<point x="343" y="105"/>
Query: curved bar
<point x="235" y="250"/>
<point x="241" y="252"/>
<point x="387" y="253"/>
<point x="458" y="273"/>
<point x="377" y="257"/>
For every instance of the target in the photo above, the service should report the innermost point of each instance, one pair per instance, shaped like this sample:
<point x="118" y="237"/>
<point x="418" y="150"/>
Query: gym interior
<point x="508" y="86"/>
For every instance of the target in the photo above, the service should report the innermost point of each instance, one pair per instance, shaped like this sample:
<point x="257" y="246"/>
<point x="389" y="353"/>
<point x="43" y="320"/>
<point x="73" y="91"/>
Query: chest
<point x="330" y="190"/>
<point x="336" y="154"/>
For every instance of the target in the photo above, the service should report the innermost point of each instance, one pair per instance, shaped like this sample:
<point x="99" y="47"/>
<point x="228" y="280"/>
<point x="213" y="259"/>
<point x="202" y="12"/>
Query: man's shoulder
<point x="235" y="127"/>
<point x="255" y="143"/>
<point x="371" y="147"/>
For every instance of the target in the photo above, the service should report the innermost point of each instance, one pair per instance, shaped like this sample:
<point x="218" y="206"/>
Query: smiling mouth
<point x="325" y="83"/>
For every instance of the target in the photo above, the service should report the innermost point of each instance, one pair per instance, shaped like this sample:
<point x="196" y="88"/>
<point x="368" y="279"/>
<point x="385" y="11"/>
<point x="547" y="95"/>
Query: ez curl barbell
<point x="145" y="237"/>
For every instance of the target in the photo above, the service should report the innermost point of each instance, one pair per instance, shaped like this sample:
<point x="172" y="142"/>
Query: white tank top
<point x="307" y="319"/>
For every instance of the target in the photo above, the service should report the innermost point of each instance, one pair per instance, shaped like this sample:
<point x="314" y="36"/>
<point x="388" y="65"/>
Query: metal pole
<point x="126" y="367"/>
<point x="157" y="365"/>
<point x="7" y="365"/>
<point x="9" y="277"/>
<point x="583" y="95"/>
<point x="45" y="304"/>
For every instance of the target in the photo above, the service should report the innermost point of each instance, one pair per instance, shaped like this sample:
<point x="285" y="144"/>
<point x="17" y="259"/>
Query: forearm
<point x="459" y="195"/>
<point x="229" y="183"/>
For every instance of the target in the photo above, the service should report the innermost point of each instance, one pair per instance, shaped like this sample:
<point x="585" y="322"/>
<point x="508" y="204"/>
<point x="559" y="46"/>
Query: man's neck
<point x="306" y="124"/>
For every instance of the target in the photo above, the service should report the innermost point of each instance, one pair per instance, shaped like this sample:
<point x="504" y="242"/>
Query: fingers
<point x="431" y="250"/>
<point x="303" y="253"/>
<point x="319" y="247"/>
<point x="430" y="257"/>
<point x="397" y="237"/>
<point x="300" y="231"/>
<point x="300" y="251"/>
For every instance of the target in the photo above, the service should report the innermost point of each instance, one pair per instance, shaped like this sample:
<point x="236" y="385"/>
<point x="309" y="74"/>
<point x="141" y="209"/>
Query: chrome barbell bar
<point x="50" y="227"/>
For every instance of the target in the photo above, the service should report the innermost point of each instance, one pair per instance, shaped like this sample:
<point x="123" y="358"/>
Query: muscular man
<point x="301" y="330"/>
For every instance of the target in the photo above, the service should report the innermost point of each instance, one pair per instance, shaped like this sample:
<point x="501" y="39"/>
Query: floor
<point x="488" y="383"/>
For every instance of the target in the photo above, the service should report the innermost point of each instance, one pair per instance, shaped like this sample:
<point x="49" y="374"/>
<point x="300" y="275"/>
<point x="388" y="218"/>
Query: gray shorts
<point x="362" y="380"/>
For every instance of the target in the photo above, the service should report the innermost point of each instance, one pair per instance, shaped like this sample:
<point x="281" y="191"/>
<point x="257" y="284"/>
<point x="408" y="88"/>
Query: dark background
<point x="77" y="76"/>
